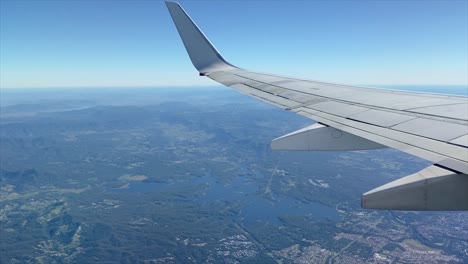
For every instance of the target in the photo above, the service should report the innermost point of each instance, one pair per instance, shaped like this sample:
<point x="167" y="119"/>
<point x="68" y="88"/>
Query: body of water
<point x="245" y="192"/>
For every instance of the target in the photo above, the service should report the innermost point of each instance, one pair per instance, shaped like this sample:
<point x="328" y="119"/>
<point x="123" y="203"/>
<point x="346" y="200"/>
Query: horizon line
<point x="197" y="86"/>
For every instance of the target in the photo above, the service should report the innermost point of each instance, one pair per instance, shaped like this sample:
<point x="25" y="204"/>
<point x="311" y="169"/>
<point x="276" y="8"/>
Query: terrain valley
<point x="186" y="175"/>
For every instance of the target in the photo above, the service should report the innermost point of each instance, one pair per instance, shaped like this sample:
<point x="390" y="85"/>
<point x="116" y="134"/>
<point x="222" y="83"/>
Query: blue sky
<point x="134" y="43"/>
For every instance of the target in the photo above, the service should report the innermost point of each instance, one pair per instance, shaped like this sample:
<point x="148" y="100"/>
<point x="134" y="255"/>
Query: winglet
<point x="203" y="54"/>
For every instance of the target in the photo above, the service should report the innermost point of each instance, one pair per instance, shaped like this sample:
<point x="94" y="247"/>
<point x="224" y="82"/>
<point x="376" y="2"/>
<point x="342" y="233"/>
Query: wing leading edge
<point x="431" y="126"/>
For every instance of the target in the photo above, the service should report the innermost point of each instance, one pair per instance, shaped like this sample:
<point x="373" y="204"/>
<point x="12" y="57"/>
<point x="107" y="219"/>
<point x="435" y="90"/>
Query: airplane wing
<point x="431" y="126"/>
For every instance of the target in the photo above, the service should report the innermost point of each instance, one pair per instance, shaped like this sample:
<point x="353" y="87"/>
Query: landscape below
<point x="186" y="175"/>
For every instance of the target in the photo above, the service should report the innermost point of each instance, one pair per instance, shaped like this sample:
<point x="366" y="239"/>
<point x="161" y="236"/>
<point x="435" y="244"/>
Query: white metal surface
<point x="433" y="188"/>
<point x="338" y="108"/>
<point x="439" y="130"/>
<point x="382" y="118"/>
<point x="463" y="141"/>
<point x="203" y="54"/>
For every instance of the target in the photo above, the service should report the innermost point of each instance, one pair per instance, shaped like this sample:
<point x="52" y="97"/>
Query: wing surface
<point x="431" y="126"/>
